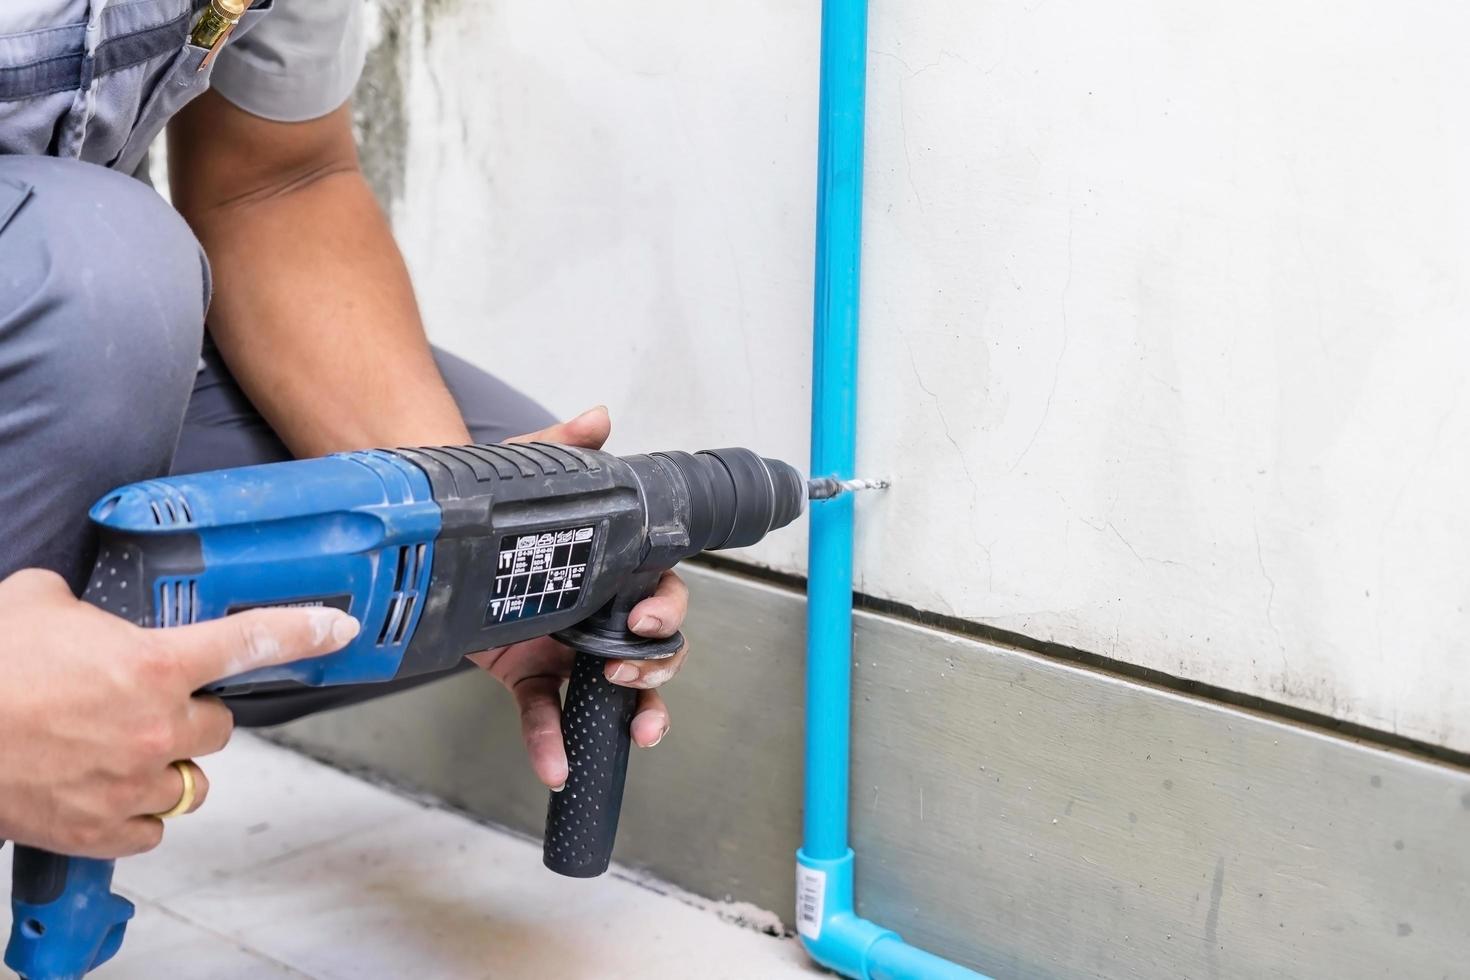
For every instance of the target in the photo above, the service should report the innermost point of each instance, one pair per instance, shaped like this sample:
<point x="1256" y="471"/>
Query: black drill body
<point x="641" y="515"/>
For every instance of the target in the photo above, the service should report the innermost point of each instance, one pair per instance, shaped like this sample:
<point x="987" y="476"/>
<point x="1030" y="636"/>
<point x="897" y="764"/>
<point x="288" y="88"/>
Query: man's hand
<point x="94" y="710"/>
<point x="534" y="671"/>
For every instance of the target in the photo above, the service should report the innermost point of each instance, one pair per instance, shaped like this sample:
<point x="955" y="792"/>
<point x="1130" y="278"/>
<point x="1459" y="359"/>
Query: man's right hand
<point x="94" y="710"/>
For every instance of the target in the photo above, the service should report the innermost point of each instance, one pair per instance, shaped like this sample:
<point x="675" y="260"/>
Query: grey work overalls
<point x="103" y="290"/>
<point x="96" y="81"/>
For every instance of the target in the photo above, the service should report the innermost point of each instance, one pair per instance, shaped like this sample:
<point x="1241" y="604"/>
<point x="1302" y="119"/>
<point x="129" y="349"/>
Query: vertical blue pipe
<point x="834" y="417"/>
<point x="830" y="928"/>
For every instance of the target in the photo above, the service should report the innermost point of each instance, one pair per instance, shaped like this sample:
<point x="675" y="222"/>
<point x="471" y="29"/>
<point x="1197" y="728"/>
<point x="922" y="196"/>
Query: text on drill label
<point x="342" y="602"/>
<point x="539" y="572"/>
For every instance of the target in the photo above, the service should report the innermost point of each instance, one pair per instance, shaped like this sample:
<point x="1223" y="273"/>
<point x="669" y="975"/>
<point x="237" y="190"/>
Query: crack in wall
<point x="1056" y="373"/>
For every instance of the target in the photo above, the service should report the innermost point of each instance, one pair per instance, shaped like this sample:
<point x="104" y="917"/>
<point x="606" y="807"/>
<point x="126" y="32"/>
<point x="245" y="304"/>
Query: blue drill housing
<point x="355" y="531"/>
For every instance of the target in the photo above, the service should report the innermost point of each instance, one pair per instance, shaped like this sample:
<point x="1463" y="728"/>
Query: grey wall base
<point x="1025" y="817"/>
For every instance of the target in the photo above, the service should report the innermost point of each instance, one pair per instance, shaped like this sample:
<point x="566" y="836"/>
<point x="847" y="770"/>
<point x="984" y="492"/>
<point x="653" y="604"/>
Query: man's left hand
<point x="534" y="670"/>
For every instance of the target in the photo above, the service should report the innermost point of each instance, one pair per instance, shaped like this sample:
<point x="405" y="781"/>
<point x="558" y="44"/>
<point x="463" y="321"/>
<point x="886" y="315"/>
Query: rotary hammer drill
<point x="438" y="552"/>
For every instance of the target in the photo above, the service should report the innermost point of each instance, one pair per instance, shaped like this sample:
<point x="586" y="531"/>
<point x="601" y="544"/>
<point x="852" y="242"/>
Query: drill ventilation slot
<point x="168" y="506"/>
<point x="405" y="593"/>
<point x="178" y="601"/>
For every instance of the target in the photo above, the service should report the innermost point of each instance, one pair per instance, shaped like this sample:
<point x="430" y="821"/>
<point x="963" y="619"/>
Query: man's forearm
<point x="314" y="313"/>
<point x="313" y="309"/>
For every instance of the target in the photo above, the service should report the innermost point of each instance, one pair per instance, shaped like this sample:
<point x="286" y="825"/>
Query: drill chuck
<point x="737" y="497"/>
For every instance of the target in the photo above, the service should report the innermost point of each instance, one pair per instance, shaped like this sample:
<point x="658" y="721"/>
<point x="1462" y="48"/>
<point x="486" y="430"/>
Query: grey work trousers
<point x="103" y="291"/>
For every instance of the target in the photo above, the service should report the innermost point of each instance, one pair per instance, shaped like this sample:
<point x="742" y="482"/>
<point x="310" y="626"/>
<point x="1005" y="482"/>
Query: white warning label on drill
<point x="540" y="572"/>
<point x="811" y="894"/>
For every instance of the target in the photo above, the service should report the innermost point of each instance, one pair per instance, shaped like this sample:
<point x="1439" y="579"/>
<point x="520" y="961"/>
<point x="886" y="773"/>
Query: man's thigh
<point x="102" y="297"/>
<point x="222" y="429"/>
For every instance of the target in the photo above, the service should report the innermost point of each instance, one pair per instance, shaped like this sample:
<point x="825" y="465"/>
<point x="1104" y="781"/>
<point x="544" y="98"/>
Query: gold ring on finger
<point x="188" y="796"/>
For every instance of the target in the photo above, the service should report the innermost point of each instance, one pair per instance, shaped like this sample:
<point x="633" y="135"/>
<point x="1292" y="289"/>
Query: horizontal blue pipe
<point x="830" y="928"/>
<point x="890" y="958"/>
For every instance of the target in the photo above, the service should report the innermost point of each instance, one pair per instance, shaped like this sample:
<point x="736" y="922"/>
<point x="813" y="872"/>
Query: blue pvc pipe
<point x="834" y="418"/>
<point x="890" y="958"/>
<point x="830" y="928"/>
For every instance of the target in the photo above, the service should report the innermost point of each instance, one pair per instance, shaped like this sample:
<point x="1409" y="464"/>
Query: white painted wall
<point x="1165" y="314"/>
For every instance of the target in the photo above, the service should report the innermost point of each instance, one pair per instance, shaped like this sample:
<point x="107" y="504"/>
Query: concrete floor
<point x="294" y="869"/>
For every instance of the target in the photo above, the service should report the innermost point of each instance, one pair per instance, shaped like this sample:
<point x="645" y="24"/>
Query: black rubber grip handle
<point x="582" y="820"/>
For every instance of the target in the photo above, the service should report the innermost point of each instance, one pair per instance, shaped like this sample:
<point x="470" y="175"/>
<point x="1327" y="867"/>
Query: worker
<point x="265" y="314"/>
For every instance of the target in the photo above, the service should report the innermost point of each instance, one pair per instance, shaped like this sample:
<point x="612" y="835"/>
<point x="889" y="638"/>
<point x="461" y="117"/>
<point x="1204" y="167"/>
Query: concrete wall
<point x="1164" y="305"/>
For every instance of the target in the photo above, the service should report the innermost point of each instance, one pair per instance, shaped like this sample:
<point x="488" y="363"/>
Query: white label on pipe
<point x="811" y="894"/>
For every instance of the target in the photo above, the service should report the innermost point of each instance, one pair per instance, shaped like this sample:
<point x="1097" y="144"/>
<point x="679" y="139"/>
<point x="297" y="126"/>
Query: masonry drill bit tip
<point x="827" y="487"/>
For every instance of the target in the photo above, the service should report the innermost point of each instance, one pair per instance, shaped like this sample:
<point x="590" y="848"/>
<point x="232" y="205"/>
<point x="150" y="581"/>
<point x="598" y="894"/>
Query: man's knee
<point x="102" y="296"/>
<point x="103" y="290"/>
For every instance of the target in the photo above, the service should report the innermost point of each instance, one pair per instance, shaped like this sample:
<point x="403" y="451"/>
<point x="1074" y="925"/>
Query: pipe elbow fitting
<point x="838" y="938"/>
<point x="832" y="932"/>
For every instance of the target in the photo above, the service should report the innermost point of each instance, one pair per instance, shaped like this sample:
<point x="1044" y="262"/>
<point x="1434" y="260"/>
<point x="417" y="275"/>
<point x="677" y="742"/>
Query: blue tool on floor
<point x="439" y="552"/>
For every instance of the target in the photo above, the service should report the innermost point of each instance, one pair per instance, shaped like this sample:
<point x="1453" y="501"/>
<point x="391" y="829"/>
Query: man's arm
<point x="313" y="309"/>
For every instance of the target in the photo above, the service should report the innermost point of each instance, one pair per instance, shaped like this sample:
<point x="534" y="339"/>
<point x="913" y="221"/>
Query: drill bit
<point x="827" y="487"/>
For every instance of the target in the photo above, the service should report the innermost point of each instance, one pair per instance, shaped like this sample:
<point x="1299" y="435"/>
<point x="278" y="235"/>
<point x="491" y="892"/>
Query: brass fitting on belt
<point x="215" y="25"/>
